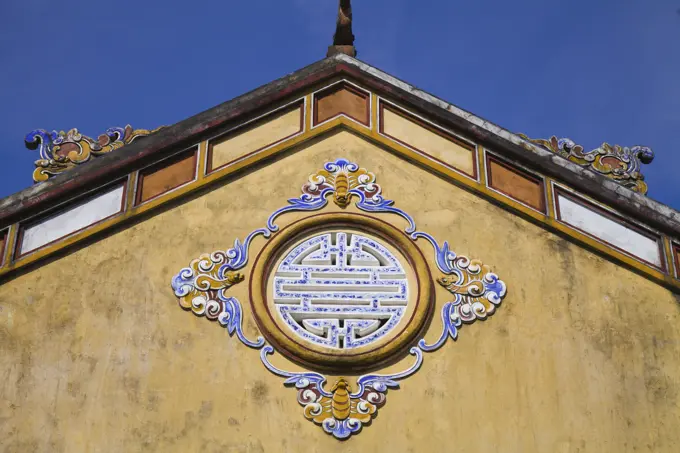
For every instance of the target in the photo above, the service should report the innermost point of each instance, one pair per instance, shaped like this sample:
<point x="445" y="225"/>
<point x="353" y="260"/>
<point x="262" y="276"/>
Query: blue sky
<point x="594" y="71"/>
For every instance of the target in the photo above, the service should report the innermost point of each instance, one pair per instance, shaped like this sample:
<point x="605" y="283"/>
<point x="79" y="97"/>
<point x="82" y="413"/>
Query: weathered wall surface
<point x="96" y="355"/>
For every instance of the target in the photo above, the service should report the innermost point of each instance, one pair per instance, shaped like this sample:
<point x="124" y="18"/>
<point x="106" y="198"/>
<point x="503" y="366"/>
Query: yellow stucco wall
<point x="96" y="355"/>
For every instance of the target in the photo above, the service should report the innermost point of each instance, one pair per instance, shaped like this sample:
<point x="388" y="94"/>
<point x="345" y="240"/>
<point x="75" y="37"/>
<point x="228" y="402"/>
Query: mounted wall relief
<point x="341" y="293"/>
<point x="619" y="163"/>
<point x="62" y="151"/>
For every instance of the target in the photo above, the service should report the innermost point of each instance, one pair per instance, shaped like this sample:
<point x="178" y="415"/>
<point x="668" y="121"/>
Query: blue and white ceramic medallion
<point x="340" y="289"/>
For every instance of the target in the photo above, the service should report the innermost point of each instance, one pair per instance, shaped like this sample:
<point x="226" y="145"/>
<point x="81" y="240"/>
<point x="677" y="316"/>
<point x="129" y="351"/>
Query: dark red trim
<point x="614" y="217"/>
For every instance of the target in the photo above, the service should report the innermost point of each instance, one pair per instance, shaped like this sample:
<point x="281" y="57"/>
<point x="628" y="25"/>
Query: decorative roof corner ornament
<point x="620" y="163"/>
<point x="61" y="151"/>
<point x="343" y="39"/>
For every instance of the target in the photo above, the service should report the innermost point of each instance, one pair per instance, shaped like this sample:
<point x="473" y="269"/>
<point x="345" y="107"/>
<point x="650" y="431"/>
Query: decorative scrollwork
<point x="344" y="179"/>
<point x="479" y="288"/>
<point x="341" y="411"/>
<point x="620" y="163"/>
<point x="61" y="151"/>
<point x="476" y="290"/>
<point x="202" y="286"/>
<point x="340" y="414"/>
<point x="201" y="281"/>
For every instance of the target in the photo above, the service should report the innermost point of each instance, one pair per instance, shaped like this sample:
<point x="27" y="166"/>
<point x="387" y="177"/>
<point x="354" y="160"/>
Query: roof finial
<point x="343" y="39"/>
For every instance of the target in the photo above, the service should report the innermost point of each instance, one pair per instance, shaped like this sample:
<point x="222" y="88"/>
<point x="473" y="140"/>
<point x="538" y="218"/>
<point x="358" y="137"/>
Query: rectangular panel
<point x="71" y="220"/>
<point x="606" y="227"/>
<point x="3" y="244"/>
<point x="516" y="183"/>
<point x="166" y="175"/>
<point x="676" y="259"/>
<point x="265" y="132"/>
<point x="342" y="99"/>
<point x="429" y="140"/>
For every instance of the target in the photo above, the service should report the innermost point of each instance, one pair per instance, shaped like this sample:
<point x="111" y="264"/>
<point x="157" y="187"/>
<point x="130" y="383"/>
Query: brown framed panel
<point x="450" y="137"/>
<point x="676" y="258"/>
<point x="166" y="175"/>
<point x="516" y="183"/>
<point x="64" y="209"/>
<point x="342" y="98"/>
<point x="614" y="217"/>
<point x="250" y="126"/>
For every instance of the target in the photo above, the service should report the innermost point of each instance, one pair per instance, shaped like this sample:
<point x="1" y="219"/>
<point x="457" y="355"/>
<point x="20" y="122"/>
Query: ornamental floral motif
<point x="620" y="163"/>
<point x="202" y="287"/>
<point x="476" y="290"/>
<point x="342" y="409"/>
<point x="473" y="284"/>
<point x="61" y="151"/>
<point x="204" y="278"/>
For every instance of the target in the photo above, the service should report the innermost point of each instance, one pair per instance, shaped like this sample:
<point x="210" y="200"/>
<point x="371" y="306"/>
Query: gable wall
<point x="97" y="356"/>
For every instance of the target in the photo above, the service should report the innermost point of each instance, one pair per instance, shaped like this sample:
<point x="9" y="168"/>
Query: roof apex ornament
<point x="343" y="39"/>
<point x="61" y="151"/>
<point x="620" y="163"/>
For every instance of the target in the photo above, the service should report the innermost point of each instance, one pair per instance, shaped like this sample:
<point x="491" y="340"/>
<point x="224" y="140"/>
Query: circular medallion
<point x="341" y="290"/>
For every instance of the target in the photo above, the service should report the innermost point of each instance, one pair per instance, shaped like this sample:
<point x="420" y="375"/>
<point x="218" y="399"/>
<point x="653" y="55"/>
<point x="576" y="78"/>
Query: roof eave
<point x="122" y="161"/>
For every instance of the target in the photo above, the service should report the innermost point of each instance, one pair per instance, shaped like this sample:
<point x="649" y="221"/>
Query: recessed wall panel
<point x="342" y="99"/>
<point x="265" y="132"/>
<point x="166" y="175"/>
<point x="71" y="220"/>
<point x="428" y="140"/>
<point x="595" y="222"/>
<point x="516" y="183"/>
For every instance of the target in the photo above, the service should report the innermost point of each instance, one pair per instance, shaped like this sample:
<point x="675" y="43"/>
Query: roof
<point x="118" y="163"/>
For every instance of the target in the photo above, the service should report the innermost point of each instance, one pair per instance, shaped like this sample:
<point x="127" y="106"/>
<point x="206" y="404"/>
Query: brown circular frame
<point x="323" y="357"/>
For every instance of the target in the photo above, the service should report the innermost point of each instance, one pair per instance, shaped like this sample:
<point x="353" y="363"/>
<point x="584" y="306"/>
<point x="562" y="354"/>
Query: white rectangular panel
<point x="608" y="230"/>
<point x="73" y="219"/>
